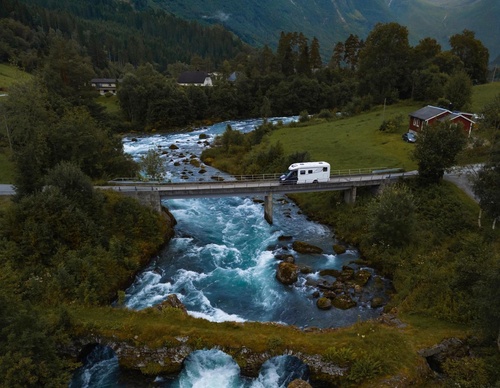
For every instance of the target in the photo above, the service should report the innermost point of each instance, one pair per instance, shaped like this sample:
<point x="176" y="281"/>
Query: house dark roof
<point x="429" y="112"/>
<point x="453" y="116"/>
<point x="103" y="80"/>
<point x="192" y="77"/>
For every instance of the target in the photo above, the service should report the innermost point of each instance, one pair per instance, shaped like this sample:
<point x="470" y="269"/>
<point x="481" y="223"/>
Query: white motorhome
<point x="306" y="172"/>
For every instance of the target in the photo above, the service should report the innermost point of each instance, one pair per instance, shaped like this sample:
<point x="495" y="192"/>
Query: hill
<point x="259" y="23"/>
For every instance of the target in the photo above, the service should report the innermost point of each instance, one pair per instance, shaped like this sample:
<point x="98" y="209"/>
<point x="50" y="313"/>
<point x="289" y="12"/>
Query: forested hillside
<point x="112" y="33"/>
<point x="260" y="22"/>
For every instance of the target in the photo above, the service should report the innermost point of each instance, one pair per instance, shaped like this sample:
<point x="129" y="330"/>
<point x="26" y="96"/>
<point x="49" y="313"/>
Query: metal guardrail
<point x="267" y="177"/>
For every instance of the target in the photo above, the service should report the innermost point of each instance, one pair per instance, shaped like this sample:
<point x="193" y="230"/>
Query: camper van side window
<point x="325" y="169"/>
<point x="302" y="172"/>
<point x="309" y="171"/>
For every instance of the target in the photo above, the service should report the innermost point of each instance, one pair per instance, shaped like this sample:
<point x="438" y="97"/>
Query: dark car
<point x="409" y="137"/>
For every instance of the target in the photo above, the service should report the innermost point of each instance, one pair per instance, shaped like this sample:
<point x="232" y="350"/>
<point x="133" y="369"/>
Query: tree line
<point x="147" y="50"/>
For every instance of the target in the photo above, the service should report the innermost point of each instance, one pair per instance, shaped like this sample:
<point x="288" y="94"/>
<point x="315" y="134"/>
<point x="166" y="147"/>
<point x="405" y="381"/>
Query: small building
<point x="195" y="78"/>
<point x="105" y="85"/>
<point x="431" y="114"/>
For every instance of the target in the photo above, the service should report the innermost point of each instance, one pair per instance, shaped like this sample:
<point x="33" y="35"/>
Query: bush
<point x="365" y="368"/>
<point x="342" y="357"/>
<point x="304" y="116"/>
<point x="394" y="124"/>
<point x="326" y="114"/>
<point x="467" y="372"/>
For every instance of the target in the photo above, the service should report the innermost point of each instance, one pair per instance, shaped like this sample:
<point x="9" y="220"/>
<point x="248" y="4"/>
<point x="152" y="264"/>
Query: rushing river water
<point x="221" y="264"/>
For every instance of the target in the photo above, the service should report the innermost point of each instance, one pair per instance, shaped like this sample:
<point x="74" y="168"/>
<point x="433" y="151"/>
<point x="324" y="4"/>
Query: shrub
<point x="365" y="368"/>
<point x="342" y="357"/>
<point x="274" y="344"/>
<point x="304" y="116"/>
<point x="467" y="372"/>
<point x="326" y="114"/>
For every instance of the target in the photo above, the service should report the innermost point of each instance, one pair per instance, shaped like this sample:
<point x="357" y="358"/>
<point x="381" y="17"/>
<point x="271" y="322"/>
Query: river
<point x="221" y="264"/>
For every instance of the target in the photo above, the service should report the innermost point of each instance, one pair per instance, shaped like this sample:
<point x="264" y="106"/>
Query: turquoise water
<point x="221" y="264"/>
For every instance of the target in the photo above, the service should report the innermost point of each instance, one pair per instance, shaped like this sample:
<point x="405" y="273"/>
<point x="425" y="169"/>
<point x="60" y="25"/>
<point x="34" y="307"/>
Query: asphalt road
<point x="461" y="176"/>
<point x="7" y="189"/>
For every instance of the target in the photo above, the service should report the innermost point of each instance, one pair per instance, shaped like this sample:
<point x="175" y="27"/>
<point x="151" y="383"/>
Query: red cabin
<point x="430" y="114"/>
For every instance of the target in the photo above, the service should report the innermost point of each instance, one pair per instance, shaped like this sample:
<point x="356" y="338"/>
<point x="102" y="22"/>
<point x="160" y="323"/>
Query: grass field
<point x="483" y="94"/>
<point x="110" y="103"/>
<point x="10" y="75"/>
<point x="352" y="142"/>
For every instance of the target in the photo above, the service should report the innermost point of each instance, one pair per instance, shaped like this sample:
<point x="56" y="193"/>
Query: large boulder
<point x="330" y="272"/>
<point x="339" y="249"/>
<point x="344" y="302"/>
<point x="324" y="303"/>
<point x="362" y="276"/>
<point x="303" y="247"/>
<point x="287" y="273"/>
<point x="298" y="383"/>
<point x="172" y="301"/>
<point x="346" y="274"/>
<point x="437" y="355"/>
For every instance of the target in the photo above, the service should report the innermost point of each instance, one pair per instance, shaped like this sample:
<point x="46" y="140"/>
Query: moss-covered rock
<point x="339" y="249"/>
<point x="362" y="276"/>
<point x="303" y="247"/>
<point x="287" y="273"/>
<point x="376" y="302"/>
<point x="344" y="302"/>
<point x="330" y="272"/>
<point x="324" y="303"/>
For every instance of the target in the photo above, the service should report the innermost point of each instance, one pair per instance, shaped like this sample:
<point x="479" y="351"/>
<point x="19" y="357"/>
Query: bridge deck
<point x="262" y="187"/>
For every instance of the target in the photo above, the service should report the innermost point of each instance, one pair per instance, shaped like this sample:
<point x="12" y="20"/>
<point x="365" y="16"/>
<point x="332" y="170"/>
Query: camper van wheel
<point x="315" y="181"/>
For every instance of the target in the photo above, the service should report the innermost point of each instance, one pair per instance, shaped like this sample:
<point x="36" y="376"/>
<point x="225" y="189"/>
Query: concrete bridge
<point x="255" y="185"/>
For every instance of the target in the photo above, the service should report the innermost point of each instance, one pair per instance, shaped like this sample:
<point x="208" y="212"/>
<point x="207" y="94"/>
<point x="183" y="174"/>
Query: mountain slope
<point x="260" y="22"/>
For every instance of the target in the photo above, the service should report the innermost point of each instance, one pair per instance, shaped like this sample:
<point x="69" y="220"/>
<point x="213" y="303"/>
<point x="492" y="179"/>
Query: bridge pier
<point x="350" y="195"/>
<point x="268" y="208"/>
<point x="151" y="198"/>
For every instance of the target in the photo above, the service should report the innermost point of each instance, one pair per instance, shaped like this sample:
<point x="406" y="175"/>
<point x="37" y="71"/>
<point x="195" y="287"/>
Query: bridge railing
<point x="266" y="177"/>
<point x="350" y="171"/>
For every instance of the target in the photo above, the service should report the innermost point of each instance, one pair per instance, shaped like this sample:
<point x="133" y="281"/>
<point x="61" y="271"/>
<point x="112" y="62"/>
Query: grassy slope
<point x="10" y="75"/>
<point x="353" y="142"/>
<point x="483" y="94"/>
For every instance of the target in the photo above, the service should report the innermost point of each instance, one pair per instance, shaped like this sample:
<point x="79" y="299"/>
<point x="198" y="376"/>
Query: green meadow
<point x="10" y="75"/>
<point x="352" y="142"/>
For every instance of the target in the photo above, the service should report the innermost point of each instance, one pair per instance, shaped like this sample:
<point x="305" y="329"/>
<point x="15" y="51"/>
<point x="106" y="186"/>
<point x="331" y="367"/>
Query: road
<point x="7" y="189"/>
<point x="461" y="176"/>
